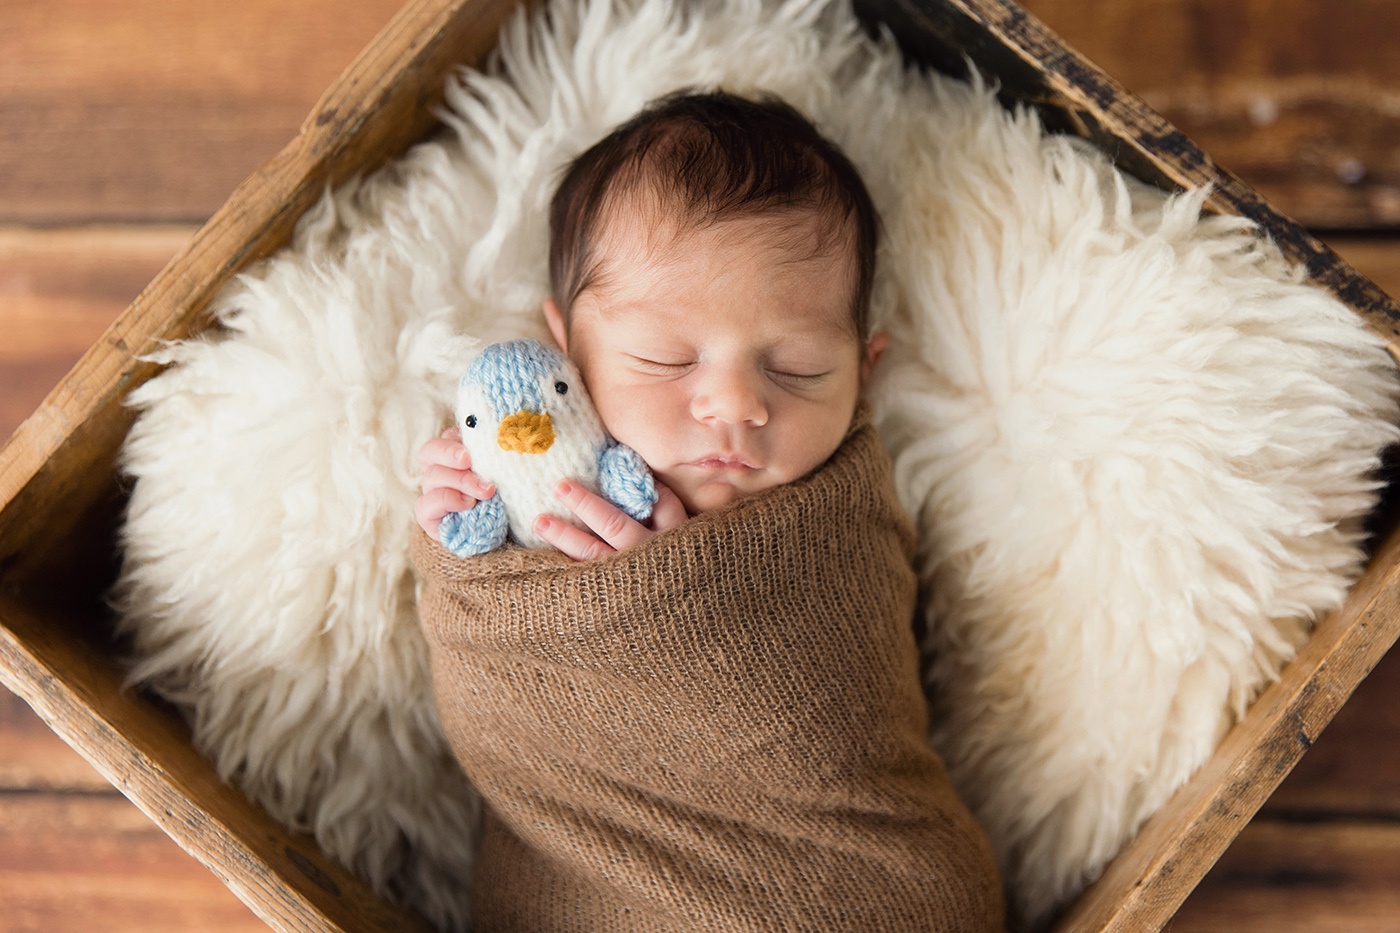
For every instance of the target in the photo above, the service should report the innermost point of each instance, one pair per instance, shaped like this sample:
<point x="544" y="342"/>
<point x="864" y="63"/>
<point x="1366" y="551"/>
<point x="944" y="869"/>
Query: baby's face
<point x="725" y="356"/>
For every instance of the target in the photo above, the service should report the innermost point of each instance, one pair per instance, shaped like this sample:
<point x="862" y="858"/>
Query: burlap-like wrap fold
<point x="720" y="729"/>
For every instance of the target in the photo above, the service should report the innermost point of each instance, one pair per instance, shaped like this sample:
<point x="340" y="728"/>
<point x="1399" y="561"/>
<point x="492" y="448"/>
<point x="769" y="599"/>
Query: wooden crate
<point x="60" y="499"/>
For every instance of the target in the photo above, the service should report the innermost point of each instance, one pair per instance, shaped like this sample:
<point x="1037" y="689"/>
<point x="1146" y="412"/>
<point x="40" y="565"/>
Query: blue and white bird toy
<point x="527" y="422"/>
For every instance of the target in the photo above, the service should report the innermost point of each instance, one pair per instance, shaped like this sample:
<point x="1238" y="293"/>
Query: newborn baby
<point x="710" y="745"/>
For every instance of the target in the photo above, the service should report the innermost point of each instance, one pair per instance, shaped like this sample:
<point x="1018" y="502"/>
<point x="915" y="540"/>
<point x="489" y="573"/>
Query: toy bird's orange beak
<point x="526" y="432"/>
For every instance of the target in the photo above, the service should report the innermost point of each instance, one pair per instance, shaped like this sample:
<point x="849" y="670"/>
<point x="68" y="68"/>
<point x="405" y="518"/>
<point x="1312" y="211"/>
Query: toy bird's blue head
<point x="511" y="375"/>
<point x="514" y="391"/>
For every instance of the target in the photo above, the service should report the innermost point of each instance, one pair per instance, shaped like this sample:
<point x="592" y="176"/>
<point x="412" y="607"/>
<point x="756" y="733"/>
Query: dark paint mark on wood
<point x="311" y="870"/>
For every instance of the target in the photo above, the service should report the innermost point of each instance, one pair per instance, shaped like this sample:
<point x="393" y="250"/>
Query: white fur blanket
<point x="1134" y="442"/>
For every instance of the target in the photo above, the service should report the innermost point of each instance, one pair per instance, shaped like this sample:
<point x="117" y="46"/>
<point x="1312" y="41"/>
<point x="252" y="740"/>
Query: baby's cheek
<point x="814" y="447"/>
<point x="639" y="417"/>
<point x="633" y="433"/>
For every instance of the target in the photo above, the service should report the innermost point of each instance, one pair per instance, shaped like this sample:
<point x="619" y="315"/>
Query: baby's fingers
<point x="433" y="506"/>
<point x="614" y="526"/>
<point x="669" y="511"/>
<point x="446" y="450"/>
<point x="574" y="542"/>
<point x="441" y="477"/>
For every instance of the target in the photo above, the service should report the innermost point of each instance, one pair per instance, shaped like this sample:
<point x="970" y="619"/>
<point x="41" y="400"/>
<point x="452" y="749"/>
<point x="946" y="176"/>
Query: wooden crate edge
<point x="281" y="875"/>
<point x="1149" y="879"/>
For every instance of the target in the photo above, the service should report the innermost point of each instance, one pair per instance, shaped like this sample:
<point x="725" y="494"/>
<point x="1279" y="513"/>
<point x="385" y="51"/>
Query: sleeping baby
<point x="713" y="719"/>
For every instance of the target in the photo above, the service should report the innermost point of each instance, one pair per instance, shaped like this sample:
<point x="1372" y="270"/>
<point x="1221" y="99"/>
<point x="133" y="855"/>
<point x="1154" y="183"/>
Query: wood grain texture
<point x="1301" y="878"/>
<point x="144" y="750"/>
<point x="150" y="109"/>
<point x="1353" y="769"/>
<point x="32" y="759"/>
<point x="80" y="862"/>
<point x="157" y="109"/>
<point x="378" y="107"/>
<point x="1300" y="98"/>
<point x="60" y="288"/>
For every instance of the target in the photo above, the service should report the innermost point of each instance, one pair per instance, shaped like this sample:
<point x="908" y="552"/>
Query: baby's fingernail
<point x="563" y="488"/>
<point x="541" y="524"/>
<point x="461" y="455"/>
<point x="488" y="490"/>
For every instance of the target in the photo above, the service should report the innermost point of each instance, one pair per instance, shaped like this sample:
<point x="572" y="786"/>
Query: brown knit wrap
<point x="718" y="729"/>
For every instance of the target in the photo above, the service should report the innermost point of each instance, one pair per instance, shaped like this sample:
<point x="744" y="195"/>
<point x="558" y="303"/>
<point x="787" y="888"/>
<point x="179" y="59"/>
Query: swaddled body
<point x="720" y="728"/>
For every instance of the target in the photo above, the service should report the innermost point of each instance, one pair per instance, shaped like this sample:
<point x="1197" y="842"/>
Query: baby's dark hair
<point x="707" y="157"/>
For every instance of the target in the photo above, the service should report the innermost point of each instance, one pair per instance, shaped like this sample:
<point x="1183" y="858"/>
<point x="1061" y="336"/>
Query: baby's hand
<point x="615" y="529"/>
<point x="449" y="485"/>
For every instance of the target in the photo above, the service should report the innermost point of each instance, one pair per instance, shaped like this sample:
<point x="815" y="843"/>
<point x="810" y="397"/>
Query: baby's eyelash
<point x="803" y="378"/>
<point x="671" y="369"/>
<point x="660" y="368"/>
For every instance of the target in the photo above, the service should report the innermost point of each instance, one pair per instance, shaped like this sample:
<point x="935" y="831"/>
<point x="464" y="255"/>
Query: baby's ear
<point x="873" y="348"/>
<point x="555" y="319"/>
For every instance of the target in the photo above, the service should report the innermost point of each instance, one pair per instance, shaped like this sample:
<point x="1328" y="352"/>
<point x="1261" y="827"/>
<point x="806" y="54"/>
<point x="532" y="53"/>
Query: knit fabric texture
<point x="719" y="728"/>
<point x="625" y="479"/>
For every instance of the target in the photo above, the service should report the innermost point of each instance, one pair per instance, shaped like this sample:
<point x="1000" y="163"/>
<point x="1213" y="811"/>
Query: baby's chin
<point x="701" y="496"/>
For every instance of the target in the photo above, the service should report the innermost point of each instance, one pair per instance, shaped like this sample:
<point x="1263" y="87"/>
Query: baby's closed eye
<point x="661" y="367"/>
<point x="800" y="378"/>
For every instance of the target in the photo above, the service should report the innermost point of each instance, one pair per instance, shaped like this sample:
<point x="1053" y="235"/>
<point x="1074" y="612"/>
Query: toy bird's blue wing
<point x="479" y="529"/>
<point x="626" y="480"/>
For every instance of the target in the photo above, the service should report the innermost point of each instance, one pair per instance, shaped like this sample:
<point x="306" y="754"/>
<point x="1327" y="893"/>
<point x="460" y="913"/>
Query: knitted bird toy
<point x="527" y="422"/>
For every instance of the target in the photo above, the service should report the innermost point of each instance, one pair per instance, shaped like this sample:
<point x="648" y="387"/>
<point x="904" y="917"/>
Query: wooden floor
<point x="124" y="124"/>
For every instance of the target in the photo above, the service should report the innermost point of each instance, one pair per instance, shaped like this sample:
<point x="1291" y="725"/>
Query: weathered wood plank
<point x="49" y="654"/>
<point x="1297" y="97"/>
<point x="32" y="758"/>
<point x="1301" y="878"/>
<point x="61" y="287"/>
<point x="1377" y="258"/>
<point x="59" y="290"/>
<point x="1353" y="768"/>
<point x="145" y="750"/>
<point x="1149" y="879"/>
<point x="148" y="109"/>
<point x="94" y="862"/>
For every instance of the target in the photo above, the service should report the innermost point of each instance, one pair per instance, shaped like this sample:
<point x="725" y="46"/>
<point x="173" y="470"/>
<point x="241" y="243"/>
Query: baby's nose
<point x="731" y="397"/>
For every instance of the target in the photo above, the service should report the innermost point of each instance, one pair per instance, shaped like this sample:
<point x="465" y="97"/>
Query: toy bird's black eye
<point x="561" y="387"/>
<point x="471" y="421"/>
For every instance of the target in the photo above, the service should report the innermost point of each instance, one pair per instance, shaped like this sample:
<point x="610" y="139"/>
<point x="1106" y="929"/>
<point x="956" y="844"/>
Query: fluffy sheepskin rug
<point x="1135" y="444"/>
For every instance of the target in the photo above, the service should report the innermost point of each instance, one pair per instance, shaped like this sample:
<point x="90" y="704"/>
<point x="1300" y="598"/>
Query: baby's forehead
<point x="812" y="326"/>
<point x="645" y="254"/>
<point x="735" y="297"/>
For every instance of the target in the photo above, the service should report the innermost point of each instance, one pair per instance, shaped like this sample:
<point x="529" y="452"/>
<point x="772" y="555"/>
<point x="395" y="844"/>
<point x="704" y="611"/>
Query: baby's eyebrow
<point x="821" y="323"/>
